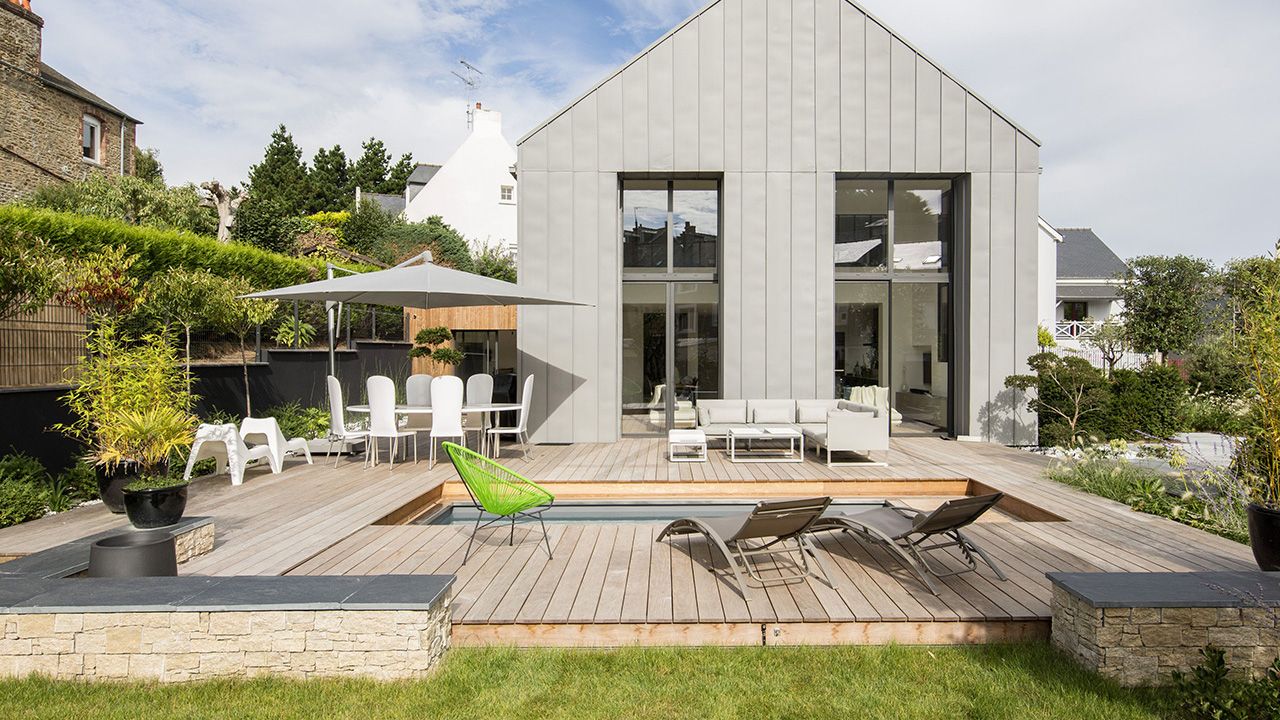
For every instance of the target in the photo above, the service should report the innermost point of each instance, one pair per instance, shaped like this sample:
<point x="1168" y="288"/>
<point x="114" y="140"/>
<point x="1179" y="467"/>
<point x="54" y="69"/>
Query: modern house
<point x="52" y="128"/>
<point x="779" y="199"/>
<point x="1090" y="276"/>
<point x="475" y="190"/>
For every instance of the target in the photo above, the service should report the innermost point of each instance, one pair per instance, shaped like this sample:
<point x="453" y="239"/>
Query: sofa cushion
<point x="723" y="415"/>
<point x="773" y="416"/>
<point x="814" y="411"/>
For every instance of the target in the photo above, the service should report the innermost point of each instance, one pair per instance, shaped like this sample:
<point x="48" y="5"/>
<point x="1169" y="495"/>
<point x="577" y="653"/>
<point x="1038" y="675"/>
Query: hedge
<point x="159" y="250"/>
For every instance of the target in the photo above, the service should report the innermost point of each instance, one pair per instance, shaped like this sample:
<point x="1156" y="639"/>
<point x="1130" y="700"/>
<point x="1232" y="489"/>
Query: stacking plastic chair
<point x="382" y="419"/>
<point x="521" y="429"/>
<point x="446" y="412"/>
<point x="267" y="431"/>
<point x="224" y="444"/>
<point x="338" y="432"/>
<point x="499" y="491"/>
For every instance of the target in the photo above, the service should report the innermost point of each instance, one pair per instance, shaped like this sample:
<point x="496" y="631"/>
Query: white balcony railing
<point x="1075" y="329"/>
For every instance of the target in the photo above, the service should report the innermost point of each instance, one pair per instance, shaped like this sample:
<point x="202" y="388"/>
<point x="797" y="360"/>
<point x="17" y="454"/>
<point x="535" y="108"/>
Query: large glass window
<point x="862" y="223"/>
<point x="922" y="226"/>
<point x="670" y="302"/>
<point x="893" y="245"/>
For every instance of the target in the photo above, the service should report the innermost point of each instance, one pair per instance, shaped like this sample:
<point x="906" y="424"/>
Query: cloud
<point x="1156" y="116"/>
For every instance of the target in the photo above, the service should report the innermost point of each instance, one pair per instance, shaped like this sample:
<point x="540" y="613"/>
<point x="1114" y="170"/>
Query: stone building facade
<point x="47" y="116"/>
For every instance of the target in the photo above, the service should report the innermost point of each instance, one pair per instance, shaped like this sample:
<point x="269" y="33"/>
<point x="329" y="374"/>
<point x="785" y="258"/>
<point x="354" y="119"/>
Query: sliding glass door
<point x="670" y="302"/>
<point x="893" y="307"/>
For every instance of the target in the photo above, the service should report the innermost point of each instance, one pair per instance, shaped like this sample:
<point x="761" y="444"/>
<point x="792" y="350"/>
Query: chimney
<point x="20" y="35"/>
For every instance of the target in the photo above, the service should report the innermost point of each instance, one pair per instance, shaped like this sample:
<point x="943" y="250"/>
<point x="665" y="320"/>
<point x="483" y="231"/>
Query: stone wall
<point x="40" y="128"/>
<point x="186" y="646"/>
<point x="1144" y="645"/>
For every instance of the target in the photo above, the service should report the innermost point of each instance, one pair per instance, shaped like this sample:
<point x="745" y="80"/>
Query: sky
<point x="1157" y="118"/>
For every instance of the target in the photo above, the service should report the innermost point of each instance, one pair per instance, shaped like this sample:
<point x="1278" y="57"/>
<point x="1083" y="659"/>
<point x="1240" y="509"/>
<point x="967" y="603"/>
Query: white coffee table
<point x="686" y="446"/>
<point x="752" y="434"/>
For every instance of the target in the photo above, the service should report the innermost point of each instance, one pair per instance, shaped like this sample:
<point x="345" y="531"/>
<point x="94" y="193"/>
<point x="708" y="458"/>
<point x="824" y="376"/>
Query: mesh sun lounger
<point x="498" y="491"/>
<point x="779" y="527"/>
<point x="904" y="531"/>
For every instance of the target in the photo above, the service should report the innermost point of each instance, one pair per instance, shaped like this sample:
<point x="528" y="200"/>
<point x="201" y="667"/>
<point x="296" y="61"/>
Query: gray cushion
<point x="718" y="415"/>
<point x="773" y="416"/>
<point x="814" y="411"/>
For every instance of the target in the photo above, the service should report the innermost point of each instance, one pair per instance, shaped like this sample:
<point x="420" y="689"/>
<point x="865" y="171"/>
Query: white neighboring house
<point x="1047" y="275"/>
<point x="475" y="190"/>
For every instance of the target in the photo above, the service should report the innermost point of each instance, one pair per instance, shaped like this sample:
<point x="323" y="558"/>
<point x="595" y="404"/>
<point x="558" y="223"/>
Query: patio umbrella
<point x="422" y="285"/>
<point x="419" y="286"/>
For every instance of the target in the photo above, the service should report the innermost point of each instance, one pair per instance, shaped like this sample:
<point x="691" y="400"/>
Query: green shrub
<point x="20" y="501"/>
<point x="298" y="421"/>
<point x="495" y="262"/>
<point x="1208" y="692"/>
<point x="265" y="224"/>
<point x="19" y="467"/>
<point x="132" y="200"/>
<point x="156" y="482"/>
<point x="1211" y="412"/>
<point x="159" y="250"/>
<point x="1218" y="366"/>
<point x="1149" y="401"/>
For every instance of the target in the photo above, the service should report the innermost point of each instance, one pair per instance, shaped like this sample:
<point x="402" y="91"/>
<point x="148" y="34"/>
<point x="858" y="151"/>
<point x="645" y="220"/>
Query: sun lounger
<point x="778" y="527"/>
<point x="906" y="532"/>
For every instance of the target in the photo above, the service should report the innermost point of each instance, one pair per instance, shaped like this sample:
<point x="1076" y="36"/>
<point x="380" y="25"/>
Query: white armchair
<point x="224" y="444"/>
<point x="267" y="430"/>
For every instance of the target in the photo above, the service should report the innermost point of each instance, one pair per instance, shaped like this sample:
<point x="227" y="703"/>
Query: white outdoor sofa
<point x="834" y="425"/>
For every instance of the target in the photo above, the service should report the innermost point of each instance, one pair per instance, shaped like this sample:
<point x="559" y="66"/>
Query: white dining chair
<point x="382" y="419"/>
<point x="417" y="391"/>
<point x="479" y="392"/>
<point x="338" y="432"/>
<point x="266" y="431"/>
<point x="521" y="428"/>
<point x="446" y="412"/>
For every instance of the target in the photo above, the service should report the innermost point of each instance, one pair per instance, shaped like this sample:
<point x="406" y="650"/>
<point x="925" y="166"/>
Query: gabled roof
<point x="422" y="173"/>
<point x="550" y="119"/>
<point x="392" y="204"/>
<point x="1082" y="254"/>
<point x="57" y="80"/>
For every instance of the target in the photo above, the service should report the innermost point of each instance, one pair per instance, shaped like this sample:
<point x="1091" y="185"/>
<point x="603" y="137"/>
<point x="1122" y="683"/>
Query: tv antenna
<point x="470" y="75"/>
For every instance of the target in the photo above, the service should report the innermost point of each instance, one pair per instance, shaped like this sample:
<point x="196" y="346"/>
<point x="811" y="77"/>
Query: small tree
<point x="30" y="273"/>
<point x="433" y="343"/>
<point x="1110" y="341"/>
<point x="1068" y="389"/>
<point x="146" y="166"/>
<point x="99" y="284"/>
<point x="181" y="297"/>
<point x="1164" y="302"/>
<point x="1044" y="338"/>
<point x="1261" y="338"/>
<point x="240" y="316"/>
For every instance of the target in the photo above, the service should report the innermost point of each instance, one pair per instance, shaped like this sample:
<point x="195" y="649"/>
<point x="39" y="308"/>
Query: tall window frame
<point x="676" y="278"/>
<point x="91" y="139"/>
<point x="891" y="276"/>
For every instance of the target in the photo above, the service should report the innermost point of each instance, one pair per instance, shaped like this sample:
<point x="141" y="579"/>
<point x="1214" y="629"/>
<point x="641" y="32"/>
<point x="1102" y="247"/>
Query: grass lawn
<point x="1023" y="681"/>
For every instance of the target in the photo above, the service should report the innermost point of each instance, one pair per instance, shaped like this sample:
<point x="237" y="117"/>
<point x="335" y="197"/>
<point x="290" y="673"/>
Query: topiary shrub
<point x="1149" y="401"/>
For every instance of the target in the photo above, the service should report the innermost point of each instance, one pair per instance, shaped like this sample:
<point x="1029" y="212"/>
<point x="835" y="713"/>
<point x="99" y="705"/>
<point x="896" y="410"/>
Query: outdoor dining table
<point x="484" y="408"/>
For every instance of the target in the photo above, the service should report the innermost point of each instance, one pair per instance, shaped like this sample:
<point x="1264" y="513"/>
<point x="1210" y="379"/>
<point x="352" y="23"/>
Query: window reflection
<point x="644" y="225"/>
<point x="695" y="217"/>
<point x="921" y="225"/>
<point x="862" y="223"/>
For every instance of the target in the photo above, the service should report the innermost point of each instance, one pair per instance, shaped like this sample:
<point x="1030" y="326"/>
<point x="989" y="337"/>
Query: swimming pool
<point x="638" y="511"/>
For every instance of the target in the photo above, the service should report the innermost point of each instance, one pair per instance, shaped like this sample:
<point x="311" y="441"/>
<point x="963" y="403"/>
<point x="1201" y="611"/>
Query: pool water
<point x="628" y="512"/>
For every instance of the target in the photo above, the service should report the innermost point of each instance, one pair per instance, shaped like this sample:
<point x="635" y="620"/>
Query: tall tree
<point x="1164" y="302"/>
<point x="281" y="177"/>
<point x="329" y="182"/>
<point x="146" y="165"/>
<point x="369" y="172"/>
<point x="398" y="178"/>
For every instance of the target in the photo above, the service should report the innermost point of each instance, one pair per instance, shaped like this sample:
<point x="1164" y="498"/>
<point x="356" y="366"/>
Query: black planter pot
<point x="148" y="553"/>
<point x="111" y="482"/>
<point x="155" y="508"/>
<point x="1264" y="536"/>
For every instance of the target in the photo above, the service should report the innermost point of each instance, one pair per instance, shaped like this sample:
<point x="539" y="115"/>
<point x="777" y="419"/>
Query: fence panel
<point x="43" y="348"/>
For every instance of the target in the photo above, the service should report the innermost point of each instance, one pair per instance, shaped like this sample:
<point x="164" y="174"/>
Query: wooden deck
<point x="610" y="584"/>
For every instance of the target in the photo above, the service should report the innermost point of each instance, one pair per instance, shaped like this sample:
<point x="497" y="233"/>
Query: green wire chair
<point x="498" y="491"/>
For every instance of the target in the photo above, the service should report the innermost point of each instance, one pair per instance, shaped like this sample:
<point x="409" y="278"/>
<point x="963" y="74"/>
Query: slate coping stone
<point x="1176" y="590"/>
<point x="195" y="593"/>
<point x="73" y="557"/>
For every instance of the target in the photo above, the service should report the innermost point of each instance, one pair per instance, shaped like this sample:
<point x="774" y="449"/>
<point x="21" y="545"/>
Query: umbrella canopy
<point x="426" y="285"/>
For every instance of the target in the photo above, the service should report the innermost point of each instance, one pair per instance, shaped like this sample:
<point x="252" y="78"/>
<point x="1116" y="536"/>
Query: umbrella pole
<point x="330" y="320"/>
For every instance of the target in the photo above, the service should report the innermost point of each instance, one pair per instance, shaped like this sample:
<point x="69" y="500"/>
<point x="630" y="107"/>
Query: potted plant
<point x="147" y="440"/>
<point x="1260" y="453"/>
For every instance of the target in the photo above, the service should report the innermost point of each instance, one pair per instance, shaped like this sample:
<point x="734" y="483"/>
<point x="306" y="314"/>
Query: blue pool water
<point x="627" y="512"/>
